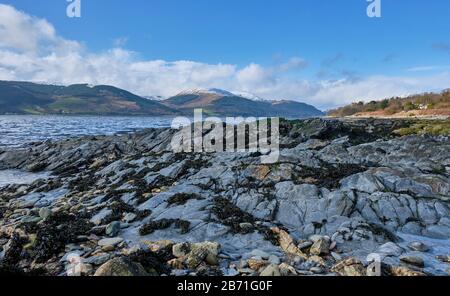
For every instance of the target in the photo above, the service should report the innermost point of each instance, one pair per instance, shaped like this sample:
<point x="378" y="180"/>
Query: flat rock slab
<point x="110" y="241"/>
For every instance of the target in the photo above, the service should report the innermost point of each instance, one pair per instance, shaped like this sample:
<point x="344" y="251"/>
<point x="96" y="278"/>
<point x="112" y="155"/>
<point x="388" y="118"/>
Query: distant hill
<point x="426" y="104"/>
<point x="82" y="99"/>
<point x="222" y="103"/>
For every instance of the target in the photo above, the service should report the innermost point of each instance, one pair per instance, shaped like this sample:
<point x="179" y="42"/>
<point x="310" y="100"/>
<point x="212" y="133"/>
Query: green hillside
<point x="31" y="98"/>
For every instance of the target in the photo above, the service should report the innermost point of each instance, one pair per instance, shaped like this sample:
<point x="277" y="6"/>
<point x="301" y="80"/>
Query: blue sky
<point x="309" y="42"/>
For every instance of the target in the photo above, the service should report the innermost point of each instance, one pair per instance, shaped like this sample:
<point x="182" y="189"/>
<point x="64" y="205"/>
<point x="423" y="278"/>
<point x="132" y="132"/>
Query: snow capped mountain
<point x="154" y="98"/>
<point x="250" y="96"/>
<point x="224" y="93"/>
<point x="203" y="91"/>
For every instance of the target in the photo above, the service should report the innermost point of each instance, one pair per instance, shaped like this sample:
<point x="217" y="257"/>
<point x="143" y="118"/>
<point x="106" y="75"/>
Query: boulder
<point x="121" y="267"/>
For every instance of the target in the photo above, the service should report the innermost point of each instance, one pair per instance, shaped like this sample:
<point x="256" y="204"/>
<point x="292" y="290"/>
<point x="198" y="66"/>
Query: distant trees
<point x="396" y="104"/>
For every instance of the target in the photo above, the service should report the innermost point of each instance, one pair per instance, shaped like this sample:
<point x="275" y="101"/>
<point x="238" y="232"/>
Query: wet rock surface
<point x="341" y="194"/>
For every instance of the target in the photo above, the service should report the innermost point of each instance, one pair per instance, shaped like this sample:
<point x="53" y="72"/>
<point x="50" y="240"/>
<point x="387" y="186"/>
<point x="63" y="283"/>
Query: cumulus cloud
<point x="31" y="49"/>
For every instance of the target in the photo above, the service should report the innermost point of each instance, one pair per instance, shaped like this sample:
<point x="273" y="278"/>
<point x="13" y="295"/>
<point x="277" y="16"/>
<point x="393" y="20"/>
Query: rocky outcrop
<point x="342" y="193"/>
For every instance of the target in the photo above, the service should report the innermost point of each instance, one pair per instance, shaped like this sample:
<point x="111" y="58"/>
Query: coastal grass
<point x="426" y="127"/>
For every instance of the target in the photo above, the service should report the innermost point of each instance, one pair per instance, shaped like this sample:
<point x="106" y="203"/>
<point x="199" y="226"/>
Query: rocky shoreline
<point x="343" y="192"/>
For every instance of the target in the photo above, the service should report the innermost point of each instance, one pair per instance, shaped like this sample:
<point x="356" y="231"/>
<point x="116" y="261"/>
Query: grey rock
<point x="260" y="254"/>
<point x="390" y="249"/>
<point x="413" y="260"/>
<point x="45" y="213"/>
<point x="271" y="270"/>
<point x="110" y="241"/>
<point x="113" y="229"/>
<point x="438" y="231"/>
<point x="418" y="247"/>
<point x="320" y="247"/>
<point x="363" y="182"/>
<point x="120" y="267"/>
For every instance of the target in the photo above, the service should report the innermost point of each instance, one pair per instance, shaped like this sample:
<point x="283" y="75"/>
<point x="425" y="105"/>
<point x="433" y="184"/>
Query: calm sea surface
<point x="18" y="130"/>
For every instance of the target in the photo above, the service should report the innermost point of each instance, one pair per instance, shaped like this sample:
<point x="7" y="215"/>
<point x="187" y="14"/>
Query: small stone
<point x="212" y="250"/>
<point x="287" y="242"/>
<point x="179" y="272"/>
<point x="256" y="264"/>
<point x="108" y="248"/>
<point x="320" y="247"/>
<point x="315" y="238"/>
<point x="130" y="217"/>
<point x="110" y="242"/>
<point x="113" y="229"/>
<point x="31" y="219"/>
<point x="316" y="260"/>
<point x="416" y="261"/>
<point x="287" y="270"/>
<point x="404" y="271"/>
<point x="305" y="245"/>
<point x="176" y="263"/>
<point x="350" y="267"/>
<point x="391" y="249"/>
<point x="333" y="245"/>
<point x="444" y="258"/>
<point x="159" y="245"/>
<point x="181" y="250"/>
<point x="77" y="266"/>
<point x="418" y="247"/>
<point x="45" y="213"/>
<point x="246" y="271"/>
<point x="317" y="270"/>
<point x="97" y="259"/>
<point x="271" y="270"/>
<point x="195" y="258"/>
<point x="336" y="256"/>
<point x="261" y="254"/>
<point x="246" y="227"/>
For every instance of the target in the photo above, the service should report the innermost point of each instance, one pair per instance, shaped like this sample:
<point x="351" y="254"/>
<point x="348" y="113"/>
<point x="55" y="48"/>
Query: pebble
<point x="98" y="259"/>
<point x="130" y="217"/>
<point x="271" y="270"/>
<point x="412" y="260"/>
<point x="418" y="247"/>
<point x="30" y="219"/>
<point x="261" y="254"/>
<point x="336" y="256"/>
<point x="444" y="258"/>
<point x="320" y="247"/>
<point x="317" y="270"/>
<point x="305" y="245"/>
<point x="110" y="242"/>
<point x="179" y="272"/>
<point x="112" y="229"/>
<point x="45" y="213"/>
<point x="246" y="227"/>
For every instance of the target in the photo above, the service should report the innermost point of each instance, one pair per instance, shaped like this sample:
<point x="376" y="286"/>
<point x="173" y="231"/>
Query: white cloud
<point x="31" y="50"/>
<point x="427" y="68"/>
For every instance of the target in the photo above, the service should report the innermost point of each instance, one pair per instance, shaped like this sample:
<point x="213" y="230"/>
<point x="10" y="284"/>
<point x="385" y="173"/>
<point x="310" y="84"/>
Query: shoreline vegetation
<point x="344" y="191"/>
<point x="427" y="105"/>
